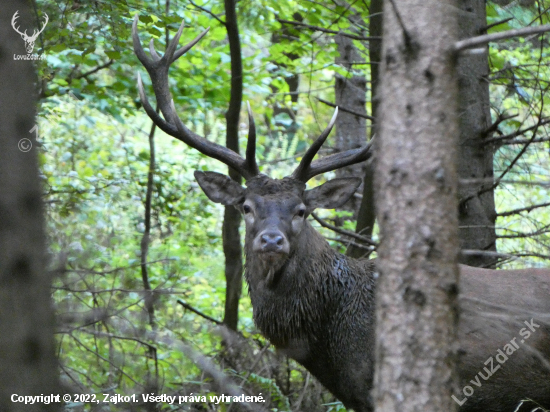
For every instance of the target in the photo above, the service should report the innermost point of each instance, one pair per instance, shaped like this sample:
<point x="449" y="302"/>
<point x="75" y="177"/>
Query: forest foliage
<point x="94" y="155"/>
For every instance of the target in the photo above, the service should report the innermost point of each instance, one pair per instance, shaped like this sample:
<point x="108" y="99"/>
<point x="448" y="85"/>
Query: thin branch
<point x="94" y="70"/>
<point x="198" y="312"/>
<point x="476" y="252"/>
<point x="110" y="335"/>
<point x="501" y="118"/>
<point x="498" y="23"/>
<point x="523" y="209"/>
<point x="526" y="183"/>
<point x="533" y="254"/>
<point x="328" y="31"/>
<point x="524" y="141"/>
<point x="118" y="290"/>
<point x="224" y="382"/>
<point x="208" y="12"/>
<point x="343" y="109"/>
<point x="499" y="179"/>
<point x="517" y="133"/>
<point x="105" y="360"/>
<point x="349" y="243"/>
<point x="145" y="239"/>
<point x="519" y="235"/>
<point x="473" y="42"/>
<point x="344" y="232"/>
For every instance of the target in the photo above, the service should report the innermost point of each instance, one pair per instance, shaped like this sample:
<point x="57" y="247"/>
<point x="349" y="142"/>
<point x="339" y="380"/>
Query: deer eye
<point x="301" y="212"/>
<point x="247" y="209"/>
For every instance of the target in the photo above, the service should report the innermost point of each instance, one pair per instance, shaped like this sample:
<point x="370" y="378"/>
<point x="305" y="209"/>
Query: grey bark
<point x="27" y="358"/>
<point x="415" y="182"/>
<point x="476" y="216"/>
<point x="367" y="214"/>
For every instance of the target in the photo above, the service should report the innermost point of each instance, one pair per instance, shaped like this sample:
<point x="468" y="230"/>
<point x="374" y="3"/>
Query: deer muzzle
<point x="271" y="243"/>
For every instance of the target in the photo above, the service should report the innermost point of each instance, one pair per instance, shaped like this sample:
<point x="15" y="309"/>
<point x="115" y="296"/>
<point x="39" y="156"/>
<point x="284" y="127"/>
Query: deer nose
<point x="272" y="242"/>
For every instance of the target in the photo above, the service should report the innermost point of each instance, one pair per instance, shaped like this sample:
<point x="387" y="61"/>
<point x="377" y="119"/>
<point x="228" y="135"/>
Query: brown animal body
<point x="318" y="305"/>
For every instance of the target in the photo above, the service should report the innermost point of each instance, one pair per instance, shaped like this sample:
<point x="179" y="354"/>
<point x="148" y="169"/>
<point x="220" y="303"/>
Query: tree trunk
<point x="232" y="218"/>
<point x="350" y="93"/>
<point x="475" y="162"/>
<point x="367" y="214"/>
<point x="27" y="356"/>
<point x="415" y="181"/>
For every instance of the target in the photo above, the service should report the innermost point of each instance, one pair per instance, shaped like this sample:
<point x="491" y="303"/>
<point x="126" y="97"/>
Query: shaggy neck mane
<point x="281" y="308"/>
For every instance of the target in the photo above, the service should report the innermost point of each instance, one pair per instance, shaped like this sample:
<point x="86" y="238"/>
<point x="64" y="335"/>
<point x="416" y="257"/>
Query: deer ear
<point x="331" y="194"/>
<point x="220" y="188"/>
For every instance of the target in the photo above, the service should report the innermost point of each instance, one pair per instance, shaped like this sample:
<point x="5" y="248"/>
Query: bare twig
<point x="144" y="245"/>
<point x="520" y="235"/>
<point x="198" y="312"/>
<point x="348" y="243"/>
<point x="328" y="31"/>
<point x="498" y="23"/>
<point x="524" y="141"/>
<point x="94" y="70"/>
<point x="489" y="38"/>
<point x="501" y="118"/>
<point x="343" y="109"/>
<point x="344" y="232"/>
<point x="208" y="12"/>
<point x="489" y="253"/>
<point x="522" y="209"/>
<point x="517" y="133"/>
<point x="499" y="179"/>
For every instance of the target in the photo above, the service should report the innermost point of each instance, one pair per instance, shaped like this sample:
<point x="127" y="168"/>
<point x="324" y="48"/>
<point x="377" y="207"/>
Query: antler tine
<point x="14" y="22"/>
<point x="157" y="67"/>
<point x="251" y="164"/>
<point x="46" y="20"/>
<point x="173" y="45"/>
<point x="302" y="171"/>
<point x="339" y="160"/>
<point x="138" y="48"/>
<point x="211" y="149"/>
<point x="180" y="52"/>
<point x="153" y="51"/>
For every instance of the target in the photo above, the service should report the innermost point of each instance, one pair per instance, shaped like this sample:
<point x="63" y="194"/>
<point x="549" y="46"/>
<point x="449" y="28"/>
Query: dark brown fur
<point x="319" y="312"/>
<point x="318" y="306"/>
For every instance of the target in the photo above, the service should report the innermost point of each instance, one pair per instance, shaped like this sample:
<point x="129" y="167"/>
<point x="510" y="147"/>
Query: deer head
<point x="29" y="40"/>
<point x="274" y="210"/>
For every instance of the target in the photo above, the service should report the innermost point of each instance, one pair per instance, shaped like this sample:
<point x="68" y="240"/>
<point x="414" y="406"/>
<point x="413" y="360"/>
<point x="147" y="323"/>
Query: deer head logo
<point x="29" y="40"/>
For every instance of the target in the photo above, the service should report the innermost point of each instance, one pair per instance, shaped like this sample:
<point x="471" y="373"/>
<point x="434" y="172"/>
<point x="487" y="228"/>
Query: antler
<point x="24" y="34"/>
<point x="306" y="170"/>
<point x="36" y="33"/>
<point x="13" y="22"/>
<point x="157" y="67"/>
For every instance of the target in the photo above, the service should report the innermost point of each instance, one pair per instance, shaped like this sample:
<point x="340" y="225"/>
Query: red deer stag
<point x="317" y="305"/>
